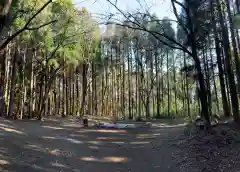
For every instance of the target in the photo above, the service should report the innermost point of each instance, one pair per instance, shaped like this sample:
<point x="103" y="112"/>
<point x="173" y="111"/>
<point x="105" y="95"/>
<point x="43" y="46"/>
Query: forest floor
<point x="64" y="145"/>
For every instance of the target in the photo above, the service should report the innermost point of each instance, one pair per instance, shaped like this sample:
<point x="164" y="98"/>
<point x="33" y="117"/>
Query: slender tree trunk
<point x="67" y="93"/>
<point x="226" y="80"/>
<point x="137" y="87"/>
<point x="7" y="85"/>
<point x="213" y="73"/>
<point x="30" y="107"/>
<point x="34" y="94"/>
<point x="168" y="85"/>
<point x="183" y="90"/>
<point x="162" y="84"/>
<point x="13" y="84"/>
<point x="175" y="87"/>
<point x="129" y="86"/>
<point x="63" y="95"/>
<point x="59" y="97"/>
<point x="78" y="95"/>
<point x="23" y="87"/>
<point x="84" y="88"/>
<point x="157" y="81"/>
<point x="73" y="94"/>
<point x="94" y="90"/>
<point x="187" y="89"/>
<point x="206" y="69"/>
<point x="46" y="94"/>
<point x="2" y="80"/>
<point x="102" y="94"/>
<point x="151" y="84"/>
<point x="111" y="84"/>
<point x="55" y="99"/>
<point x="64" y="114"/>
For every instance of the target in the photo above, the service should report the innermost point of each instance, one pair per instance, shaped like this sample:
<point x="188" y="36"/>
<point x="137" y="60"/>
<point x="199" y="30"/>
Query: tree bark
<point x="84" y="88"/>
<point x="13" y="84"/>
<point x="231" y="80"/>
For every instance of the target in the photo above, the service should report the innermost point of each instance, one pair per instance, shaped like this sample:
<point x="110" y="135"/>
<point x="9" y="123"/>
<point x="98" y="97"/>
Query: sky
<point x="100" y="7"/>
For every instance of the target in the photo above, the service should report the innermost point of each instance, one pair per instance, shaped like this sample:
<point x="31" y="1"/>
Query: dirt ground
<point x="63" y="145"/>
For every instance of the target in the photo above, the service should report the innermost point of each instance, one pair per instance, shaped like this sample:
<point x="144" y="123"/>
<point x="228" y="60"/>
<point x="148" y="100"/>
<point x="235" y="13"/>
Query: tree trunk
<point x="84" y="88"/>
<point x="23" y="87"/>
<point x="187" y="89"/>
<point x="168" y="85"/>
<point x="67" y="97"/>
<point x="129" y="86"/>
<point x="234" y="45"/>
<point x="78" y="95"/>
<point x="214" y="81"/>
<point x="13" y="84"/>
<point x="59" y="95"/>
<point x="200" y="76"/>
<point x="30" y="106"/>
<point x="3" y="60"/>
<point x="206" y="69"/>
<point x="157" y="81"/>
<point x="63" y="94"/>
<point x="232" y="85"/>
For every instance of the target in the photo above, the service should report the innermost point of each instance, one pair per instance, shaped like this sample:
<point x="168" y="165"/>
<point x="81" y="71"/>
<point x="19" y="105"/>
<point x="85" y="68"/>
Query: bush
<point x="165" y="116"/>
<point x="139" y="119"/>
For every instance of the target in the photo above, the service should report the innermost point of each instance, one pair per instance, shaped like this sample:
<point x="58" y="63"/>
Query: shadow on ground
<point x="64" y="145"/>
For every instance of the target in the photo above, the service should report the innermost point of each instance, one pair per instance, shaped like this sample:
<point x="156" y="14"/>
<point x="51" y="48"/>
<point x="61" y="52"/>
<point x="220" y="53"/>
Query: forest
<point x="57" y="60"/>
<point x="156" y="76"/>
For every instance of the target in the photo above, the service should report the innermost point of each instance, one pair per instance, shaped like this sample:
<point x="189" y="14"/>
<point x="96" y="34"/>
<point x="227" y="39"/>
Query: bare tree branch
<point x="10" y="38"/>
<point x="179" y="3"/>
<point x="155" y="34"/>
<point x="177" y="16"/>
<point x="43" y="25"/>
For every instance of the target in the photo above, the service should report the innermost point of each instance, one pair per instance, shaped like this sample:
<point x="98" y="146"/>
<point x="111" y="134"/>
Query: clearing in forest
<point x="64" y="145"/>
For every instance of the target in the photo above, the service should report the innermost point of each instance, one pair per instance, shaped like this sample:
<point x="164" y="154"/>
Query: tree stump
<point x="85" y="122"/>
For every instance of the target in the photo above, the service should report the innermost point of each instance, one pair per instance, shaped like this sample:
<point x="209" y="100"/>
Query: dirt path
<point x="66" y="147"/>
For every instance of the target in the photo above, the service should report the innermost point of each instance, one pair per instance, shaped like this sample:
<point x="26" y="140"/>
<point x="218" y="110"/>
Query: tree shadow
<point x="52" y="147"/>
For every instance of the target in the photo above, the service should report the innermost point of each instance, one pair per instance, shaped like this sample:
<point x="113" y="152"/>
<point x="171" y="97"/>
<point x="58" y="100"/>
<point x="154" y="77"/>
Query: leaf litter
<point x="217" y="150"/>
